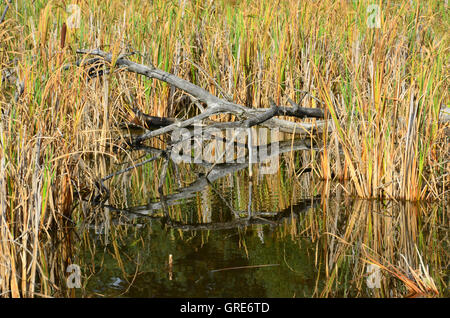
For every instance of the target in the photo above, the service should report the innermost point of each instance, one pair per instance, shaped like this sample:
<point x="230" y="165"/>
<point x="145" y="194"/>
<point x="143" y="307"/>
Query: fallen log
<point x="215" y="105"/>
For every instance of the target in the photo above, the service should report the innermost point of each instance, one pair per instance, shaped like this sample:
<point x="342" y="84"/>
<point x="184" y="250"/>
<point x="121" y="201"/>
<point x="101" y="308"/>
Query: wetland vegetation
<point x="94" y="204"/>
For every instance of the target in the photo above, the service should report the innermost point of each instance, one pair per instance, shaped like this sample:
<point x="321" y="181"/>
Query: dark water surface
<point x="274" y="236"/>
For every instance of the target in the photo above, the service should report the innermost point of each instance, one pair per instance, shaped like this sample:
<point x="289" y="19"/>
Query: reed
<point x="382" y="88"/>
<point x="390" y="240"/>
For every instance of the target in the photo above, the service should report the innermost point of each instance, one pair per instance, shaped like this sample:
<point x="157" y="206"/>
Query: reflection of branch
<point x="224" y="200"/>
<point x="129" y="168"/>
<point x="216" y="171"/>
<point x="241" y="222"/>
<point x="189" y="191"/>
<point x="263" y="218"/>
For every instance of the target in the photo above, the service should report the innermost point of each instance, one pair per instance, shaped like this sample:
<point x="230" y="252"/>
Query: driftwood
<point x="2" y="18"/>
<point x="214" y="105"/>
<point x="209" y="105"/>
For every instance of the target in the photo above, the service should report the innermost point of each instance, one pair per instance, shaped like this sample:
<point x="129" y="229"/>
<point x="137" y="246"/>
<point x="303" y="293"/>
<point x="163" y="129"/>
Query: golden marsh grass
<point x="382" y="89"/>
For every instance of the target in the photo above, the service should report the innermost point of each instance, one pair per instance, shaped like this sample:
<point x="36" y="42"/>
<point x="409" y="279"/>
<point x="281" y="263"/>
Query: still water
<point x="280" y="235"/>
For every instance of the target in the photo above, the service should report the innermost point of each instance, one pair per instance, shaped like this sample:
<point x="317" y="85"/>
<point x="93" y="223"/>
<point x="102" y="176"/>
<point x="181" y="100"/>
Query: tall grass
<point x="389" y="101"/>
<point x="382" y="88"/>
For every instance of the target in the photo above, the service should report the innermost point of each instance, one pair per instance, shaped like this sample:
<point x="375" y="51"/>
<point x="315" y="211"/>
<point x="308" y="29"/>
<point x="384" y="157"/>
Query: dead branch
<point x="214" y="104"/>
<point x="2" y="18"/>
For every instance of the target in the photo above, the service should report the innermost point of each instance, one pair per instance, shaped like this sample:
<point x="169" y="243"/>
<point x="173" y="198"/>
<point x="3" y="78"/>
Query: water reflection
<point x="227" y="235"/>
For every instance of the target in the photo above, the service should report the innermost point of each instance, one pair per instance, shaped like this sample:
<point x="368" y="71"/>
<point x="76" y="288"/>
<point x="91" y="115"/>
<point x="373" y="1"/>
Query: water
<point x="266" y="236"/>
<point x="236" y="261"/>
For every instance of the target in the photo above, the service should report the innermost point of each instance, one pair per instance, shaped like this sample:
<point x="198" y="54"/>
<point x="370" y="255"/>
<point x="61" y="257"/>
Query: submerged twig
<point x="242" y="267"/>
<point x="129" y="168"/>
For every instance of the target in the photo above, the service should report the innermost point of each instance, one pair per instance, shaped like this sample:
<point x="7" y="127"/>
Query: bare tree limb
<point x="214" y="104"/>
<point x="5" y="11"/>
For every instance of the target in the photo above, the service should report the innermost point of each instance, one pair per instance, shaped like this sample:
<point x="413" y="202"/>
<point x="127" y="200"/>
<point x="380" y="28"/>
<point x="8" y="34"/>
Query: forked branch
<point x="215" y="105"/>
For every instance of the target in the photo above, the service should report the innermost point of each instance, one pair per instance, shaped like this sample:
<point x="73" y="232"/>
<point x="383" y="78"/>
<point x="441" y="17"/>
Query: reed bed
<point x="383" y="89"/>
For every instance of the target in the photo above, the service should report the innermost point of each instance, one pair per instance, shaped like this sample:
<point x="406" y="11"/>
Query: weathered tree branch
<point x="2" y="18"/>
<point x="214" y="104"/>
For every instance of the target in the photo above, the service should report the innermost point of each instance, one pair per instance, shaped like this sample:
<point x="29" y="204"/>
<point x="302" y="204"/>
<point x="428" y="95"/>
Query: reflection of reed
<point x="347" y="233"/>
<point x="383" y="235"/>
<point x="210" y="172"/>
